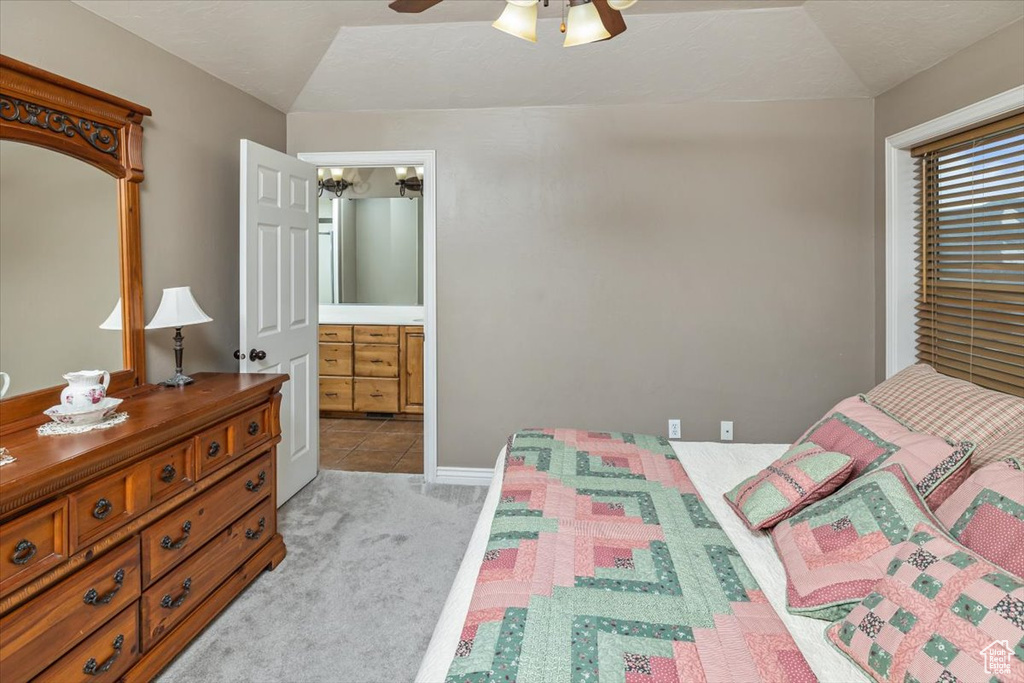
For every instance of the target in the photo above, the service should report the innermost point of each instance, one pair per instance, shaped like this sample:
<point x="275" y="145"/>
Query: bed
<point x="712" y="468"/>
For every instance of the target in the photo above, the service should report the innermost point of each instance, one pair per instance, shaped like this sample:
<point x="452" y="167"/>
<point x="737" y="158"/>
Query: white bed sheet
<point x="714" y="468"/>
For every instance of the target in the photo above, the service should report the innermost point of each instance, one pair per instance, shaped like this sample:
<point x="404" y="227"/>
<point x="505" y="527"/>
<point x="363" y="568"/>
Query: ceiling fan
<point x="588" y="21"/>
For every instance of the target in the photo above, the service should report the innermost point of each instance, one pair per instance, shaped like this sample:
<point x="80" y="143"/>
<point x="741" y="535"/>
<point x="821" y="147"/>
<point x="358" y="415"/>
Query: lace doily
<point x="54" y="428"/>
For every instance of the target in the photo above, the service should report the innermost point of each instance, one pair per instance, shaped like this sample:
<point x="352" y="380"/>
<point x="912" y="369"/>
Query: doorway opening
<point x="376" y="313"/>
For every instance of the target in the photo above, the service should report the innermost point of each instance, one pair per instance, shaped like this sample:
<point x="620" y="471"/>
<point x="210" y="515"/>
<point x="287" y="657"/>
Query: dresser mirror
<point x="70" y="168"/>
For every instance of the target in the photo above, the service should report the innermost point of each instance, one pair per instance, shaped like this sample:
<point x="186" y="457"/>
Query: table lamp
<point x="177" y="308"/>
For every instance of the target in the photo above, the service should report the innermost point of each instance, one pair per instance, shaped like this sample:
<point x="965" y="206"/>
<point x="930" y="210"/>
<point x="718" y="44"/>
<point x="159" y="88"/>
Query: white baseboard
<point x="465" y="476"/>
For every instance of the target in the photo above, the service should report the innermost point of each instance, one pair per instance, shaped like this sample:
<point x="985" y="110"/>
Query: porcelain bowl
<point x="83" y="416"/>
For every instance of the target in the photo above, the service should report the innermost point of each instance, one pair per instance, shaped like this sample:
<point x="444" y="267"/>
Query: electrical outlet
<point x="675" y="431"/>
<point x="726" y="430"/>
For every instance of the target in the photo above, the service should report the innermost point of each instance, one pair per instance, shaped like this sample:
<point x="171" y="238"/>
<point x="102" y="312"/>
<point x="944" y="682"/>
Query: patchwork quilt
<point x="604" y="564"/>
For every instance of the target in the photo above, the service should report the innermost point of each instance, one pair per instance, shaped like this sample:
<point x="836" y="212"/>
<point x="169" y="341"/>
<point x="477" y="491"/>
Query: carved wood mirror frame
<point x="47" y="110"/>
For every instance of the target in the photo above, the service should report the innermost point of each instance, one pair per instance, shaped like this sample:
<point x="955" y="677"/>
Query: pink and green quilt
<point x="605" y="565"/>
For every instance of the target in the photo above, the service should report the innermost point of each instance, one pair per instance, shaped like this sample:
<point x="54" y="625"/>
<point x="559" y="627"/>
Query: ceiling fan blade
<point x="412" y="6"/>
<point x="611" y="18"/>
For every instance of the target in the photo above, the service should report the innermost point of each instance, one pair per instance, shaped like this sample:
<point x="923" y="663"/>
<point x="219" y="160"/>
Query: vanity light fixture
<point x="178" y="308"/>
<point x="405" y="181"/>
<point x="332" y="180"/>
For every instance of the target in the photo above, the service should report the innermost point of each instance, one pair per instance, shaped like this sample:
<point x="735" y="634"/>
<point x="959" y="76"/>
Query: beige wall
<point x="987" y="68"/>
<point x="190" y="195"/>
<point x="613" y="267"/>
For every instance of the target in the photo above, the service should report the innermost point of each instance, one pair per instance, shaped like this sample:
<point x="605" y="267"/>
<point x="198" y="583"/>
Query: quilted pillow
<point x="928" y="401"/>
<point x="836" y="550"/>
<point x="873" y="439"/>
<point x="986" y="514"/>
<point x="939" y="614"/>
<point x="803" y="474"/>
<point x="1010" y="445"/>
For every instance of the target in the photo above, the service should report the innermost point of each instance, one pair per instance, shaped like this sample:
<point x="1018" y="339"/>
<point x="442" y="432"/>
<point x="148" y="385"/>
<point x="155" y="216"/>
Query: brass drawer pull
<point x="213" y="450"/>
<point x="254" y="535"/>
<point x="330" y="360"/>
<point x="256" y="487"/>
<point x="168" y="473"/>
<point x="330" y="334"/>
<point x="92" y="597"/>
<point x="331" y="393"/>
<point x="92" y="668"/>
<point x="167" y="544"/>
<point x="376" y="334"/>
<point x="377" y="394"/>
<point x="167" y="602"/>
<point x="254" y="428"/>
<point x="103" y="508"/>
<point x="23" y="552"/>
<point x="376" y="361"/>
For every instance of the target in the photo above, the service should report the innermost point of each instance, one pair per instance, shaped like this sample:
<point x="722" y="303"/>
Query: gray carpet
<point x="370" y="560"/>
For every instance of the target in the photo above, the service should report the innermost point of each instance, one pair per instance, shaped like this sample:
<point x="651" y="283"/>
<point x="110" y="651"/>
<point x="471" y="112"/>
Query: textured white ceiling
<point x="300" y="55"/>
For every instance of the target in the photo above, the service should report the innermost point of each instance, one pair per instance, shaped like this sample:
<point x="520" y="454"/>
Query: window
<point x="970" y="304"/>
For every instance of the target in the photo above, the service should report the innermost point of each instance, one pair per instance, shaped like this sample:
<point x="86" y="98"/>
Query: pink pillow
<point x="874" y="439"/>
<point x="986" y="514"/>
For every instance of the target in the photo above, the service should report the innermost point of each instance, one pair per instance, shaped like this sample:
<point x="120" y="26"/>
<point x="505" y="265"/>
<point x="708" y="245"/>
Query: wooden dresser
<point x="371" y="369"/>
<point x="118" y="546"/>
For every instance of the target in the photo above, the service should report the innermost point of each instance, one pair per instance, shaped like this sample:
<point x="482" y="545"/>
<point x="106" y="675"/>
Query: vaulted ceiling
<point x="324" y="55"/>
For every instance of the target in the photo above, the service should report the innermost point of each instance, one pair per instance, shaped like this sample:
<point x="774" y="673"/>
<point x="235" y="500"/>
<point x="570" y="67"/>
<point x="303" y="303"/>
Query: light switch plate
<point x="726" y="430"/>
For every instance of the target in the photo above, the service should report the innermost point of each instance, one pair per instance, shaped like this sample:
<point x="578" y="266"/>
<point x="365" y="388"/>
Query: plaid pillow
<point x="1008" y="446"/>
<point x="986" y="514"/>
<point x="873" y="439"/>
<point x="803" y="474"/>
<point x="939" y="614"/>
<point x="928" y="401"/>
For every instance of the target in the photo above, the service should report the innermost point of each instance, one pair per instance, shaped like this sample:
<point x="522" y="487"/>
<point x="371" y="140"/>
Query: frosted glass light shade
<point x="519" y="20"/>
<point x="113" y="321"/>
<point x="337" y="173"/>
<point x="419" y="172"/>
<point x="619" y="5"/>
<point x="583" y="25"/>
<point x="401" y="172"/>
<point x="178" y="308"/>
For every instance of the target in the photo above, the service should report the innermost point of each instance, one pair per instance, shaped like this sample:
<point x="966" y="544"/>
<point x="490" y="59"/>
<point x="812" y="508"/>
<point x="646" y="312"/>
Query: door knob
<point x="239" y="355"/>
<point x="255" y="355"/>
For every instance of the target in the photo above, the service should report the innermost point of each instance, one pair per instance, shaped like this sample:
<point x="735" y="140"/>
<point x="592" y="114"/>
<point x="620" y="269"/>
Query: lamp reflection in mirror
<point x="519" y="19"/>
<point x="583" y="24"/>
<point x="405" y="182"/>
<point x="113" y="321"/>
<point x="178" y="308"/>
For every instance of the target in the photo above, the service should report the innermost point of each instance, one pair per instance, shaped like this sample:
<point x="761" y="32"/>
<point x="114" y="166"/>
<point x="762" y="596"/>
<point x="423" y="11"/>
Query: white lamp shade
<point x="178" y="308"/>
<point x="583" y="25"/>
<point x="419" y="172"/>
<point x="113" y="321"/>
<point x="337" y="173"/>
<point x="401" y="172"/>
<point x="519" y="21"/>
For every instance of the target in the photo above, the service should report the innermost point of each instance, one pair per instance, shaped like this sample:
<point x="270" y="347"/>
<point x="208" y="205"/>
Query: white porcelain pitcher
<point x="85" y="388"/>
<point x="5" y="382"/>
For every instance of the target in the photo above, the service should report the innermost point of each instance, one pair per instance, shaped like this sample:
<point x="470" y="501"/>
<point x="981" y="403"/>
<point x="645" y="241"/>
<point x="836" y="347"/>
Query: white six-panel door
<point x="278" y="302"/>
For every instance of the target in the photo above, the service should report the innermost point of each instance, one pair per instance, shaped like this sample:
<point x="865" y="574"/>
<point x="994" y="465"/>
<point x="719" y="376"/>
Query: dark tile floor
<point x="371" y="445"/>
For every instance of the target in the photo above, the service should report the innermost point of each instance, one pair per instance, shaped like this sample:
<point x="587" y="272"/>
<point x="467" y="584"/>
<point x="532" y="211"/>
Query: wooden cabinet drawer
<point x="336" y="359"/>
<point x="254" y="427"/>
<point x="173" y="597"/>
<point x="169" y="472"/>
<point x="105" y="505"/>
<point x="375" y="395"/>
<point x="335" y="333"/>
<point x="335" y="393"/>
<point x="32" y="544"/>
<point x="376" y="360"/>
<point x="375" y="334"/>
<point x="175" y="537"/>
<point x="215" y="447"/>
<point x="52" y="623"/>
<point x="109" y="652"/>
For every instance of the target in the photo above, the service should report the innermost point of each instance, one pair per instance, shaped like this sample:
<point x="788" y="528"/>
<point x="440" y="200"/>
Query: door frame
<point x="427" y="159"/>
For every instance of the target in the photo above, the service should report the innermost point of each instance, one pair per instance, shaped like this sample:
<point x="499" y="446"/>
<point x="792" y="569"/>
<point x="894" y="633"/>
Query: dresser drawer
<point x="99" y="508"/>
<point x="169" y="472"/>
<point x="375" y="334"/>
<point x="109" y="652"/>
<point x="173" y="597"/>
<point x="336" y="333"/>
<point x="172" y="539"/>
<point x="254" y="427"/>
<point x="52" y="623"/>
<point x="216" y="446"/>
<point x="32" y="544"/>
<point x="335" y="393"/>
<point x="375" y="395"/>
<point x="336" y="359"/>
<point x="376" y="360"/>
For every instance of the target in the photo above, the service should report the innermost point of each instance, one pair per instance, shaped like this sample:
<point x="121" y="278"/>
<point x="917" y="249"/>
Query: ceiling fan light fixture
<point x="519" y="20"/>
<point x="583" y="24"/>
<point x="619" y="5"/>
